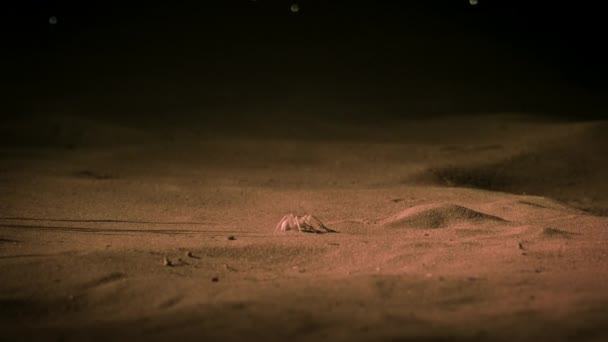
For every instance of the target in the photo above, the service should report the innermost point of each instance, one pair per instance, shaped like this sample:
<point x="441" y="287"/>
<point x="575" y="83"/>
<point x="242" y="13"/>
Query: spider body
<point x="304" y="224"/>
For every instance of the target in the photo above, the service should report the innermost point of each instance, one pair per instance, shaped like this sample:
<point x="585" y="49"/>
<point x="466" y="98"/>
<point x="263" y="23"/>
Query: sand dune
<point x="438" y="216"/>
<point x="147" y="152"/>
<point x="436" y="240"/>
<point x="572" y="158"/>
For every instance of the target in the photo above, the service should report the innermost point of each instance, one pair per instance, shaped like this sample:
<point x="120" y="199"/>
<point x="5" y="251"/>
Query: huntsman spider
<point x="304" y="224"/>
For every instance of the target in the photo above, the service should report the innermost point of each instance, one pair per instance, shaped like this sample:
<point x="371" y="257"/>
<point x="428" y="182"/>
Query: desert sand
<point x="489" y="230"/>
<point x="144" y="167"/>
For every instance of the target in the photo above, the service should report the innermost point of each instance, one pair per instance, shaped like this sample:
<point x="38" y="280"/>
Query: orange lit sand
<point x="424" y="251"/>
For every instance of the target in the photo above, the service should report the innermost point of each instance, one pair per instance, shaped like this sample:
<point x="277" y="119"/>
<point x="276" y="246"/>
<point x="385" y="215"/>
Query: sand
<point x="148" y="152"/>
<point x="473" y="228"/>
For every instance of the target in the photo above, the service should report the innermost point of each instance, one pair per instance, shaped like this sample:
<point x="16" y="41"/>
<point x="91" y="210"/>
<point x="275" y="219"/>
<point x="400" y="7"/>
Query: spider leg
<point x="280" y="225"/>
<point x="311" y="223"/>
<point x="293" y="222"/>
<point x="321" y="226"/>
<point x="297" y="221"/>
<point x="285" y="224"/>
<point x="316" y="221"/>
<point x="306" y="221"/>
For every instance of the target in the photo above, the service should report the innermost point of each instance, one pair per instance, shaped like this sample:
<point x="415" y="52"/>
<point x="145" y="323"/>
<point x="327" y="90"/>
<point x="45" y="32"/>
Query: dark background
<point x="348" y="59"/>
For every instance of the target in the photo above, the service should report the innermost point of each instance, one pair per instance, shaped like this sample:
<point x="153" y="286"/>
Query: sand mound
<point x="437" y="216"/>
<point x="569" y="169"/>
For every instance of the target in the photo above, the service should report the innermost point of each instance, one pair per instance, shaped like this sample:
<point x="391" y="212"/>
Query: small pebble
<point x="215" y="279"/>
<point x="231" y="238"/>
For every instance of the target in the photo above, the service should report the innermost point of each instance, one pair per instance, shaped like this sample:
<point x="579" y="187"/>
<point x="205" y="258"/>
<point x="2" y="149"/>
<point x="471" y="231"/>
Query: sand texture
<point x="484" y="228"/>
<point x="148" y="151"/>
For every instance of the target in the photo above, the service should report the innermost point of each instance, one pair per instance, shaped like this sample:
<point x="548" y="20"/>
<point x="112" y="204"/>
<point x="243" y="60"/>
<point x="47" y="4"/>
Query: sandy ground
<point x="462" y="228"/>
<point x="146" y="158"/>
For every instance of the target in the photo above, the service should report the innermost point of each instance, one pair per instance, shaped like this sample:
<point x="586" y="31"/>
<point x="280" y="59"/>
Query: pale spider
<point x="305" y="224"/>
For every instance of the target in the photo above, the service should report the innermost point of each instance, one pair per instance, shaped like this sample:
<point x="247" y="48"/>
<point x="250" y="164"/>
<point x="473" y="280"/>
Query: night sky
<point x="345" y="58"/>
